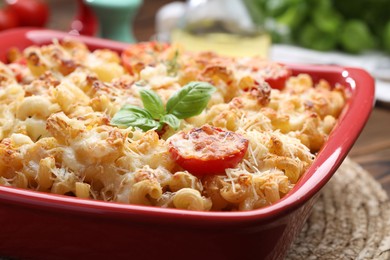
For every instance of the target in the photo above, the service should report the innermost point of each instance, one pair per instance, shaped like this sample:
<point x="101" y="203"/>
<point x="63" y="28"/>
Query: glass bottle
<point x="226" y="27"/>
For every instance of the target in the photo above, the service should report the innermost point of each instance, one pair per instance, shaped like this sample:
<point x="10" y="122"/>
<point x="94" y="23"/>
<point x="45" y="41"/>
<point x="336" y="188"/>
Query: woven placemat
<point x="350" y="220"/>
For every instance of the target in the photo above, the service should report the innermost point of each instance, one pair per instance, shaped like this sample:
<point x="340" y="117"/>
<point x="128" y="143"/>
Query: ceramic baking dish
<point x="37" y="225"/>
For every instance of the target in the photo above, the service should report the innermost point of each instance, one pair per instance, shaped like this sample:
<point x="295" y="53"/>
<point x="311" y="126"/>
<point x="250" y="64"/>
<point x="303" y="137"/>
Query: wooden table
<point x="372" y="149"/>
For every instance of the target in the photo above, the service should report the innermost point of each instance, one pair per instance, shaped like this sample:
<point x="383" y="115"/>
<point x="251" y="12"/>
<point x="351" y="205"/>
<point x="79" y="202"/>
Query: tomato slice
<point x="277" y="78"/>
<point x="140" y="55"/>
<point x="207" y="150"/>
<point x="273" y="73"/>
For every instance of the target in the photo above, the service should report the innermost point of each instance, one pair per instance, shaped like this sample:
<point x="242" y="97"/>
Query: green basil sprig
<point x="189" y="101"/>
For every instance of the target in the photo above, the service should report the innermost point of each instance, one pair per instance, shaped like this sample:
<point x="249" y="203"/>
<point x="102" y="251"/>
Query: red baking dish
<point x="37" y="225"/>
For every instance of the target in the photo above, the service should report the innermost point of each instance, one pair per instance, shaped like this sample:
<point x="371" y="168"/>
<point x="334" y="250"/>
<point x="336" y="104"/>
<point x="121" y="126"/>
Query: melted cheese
<point x="56" y="135"/>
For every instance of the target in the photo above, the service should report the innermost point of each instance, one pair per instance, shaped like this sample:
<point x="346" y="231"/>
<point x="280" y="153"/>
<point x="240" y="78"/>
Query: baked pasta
<point x="257" y="133"/>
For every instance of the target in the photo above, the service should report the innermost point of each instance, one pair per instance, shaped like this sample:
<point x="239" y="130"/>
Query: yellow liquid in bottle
<point x="224" y="43"/>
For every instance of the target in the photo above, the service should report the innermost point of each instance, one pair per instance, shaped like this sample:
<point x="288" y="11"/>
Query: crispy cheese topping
<point x="56" y="102"/>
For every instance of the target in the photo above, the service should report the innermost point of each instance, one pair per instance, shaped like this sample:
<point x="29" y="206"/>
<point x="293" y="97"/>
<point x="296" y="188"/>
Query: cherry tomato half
<point x="29" y="12"/>
<point x="273" y="73"/>
<point x="207" y="150"/>
<point x="8" y="19"/>
<point x="278" y="78"/>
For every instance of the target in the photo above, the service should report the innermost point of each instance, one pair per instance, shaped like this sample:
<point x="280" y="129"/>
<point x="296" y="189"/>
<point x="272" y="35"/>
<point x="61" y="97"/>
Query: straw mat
<point x="350" y="220"/>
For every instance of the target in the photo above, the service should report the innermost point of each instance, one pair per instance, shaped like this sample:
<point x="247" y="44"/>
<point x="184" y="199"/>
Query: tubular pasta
<point x="56" y="135"/>
<point x="191" y="199"/>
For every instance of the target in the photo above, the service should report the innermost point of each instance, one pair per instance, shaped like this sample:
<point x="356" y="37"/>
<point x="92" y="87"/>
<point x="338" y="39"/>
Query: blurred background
<point x="64" y="12"/>
<point x="351" y="26"/>
<point x="61" y="14"/>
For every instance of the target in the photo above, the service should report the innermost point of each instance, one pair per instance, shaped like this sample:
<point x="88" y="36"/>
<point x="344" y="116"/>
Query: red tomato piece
<point x="8" y="19"/>
<point x="140" y="55"/>
<point x="17" y="69"/>
<point x="273" y="73"/>
<point x="277" y="78"/>
<point x="30" y="12"/>
<point x="207" y="150"/>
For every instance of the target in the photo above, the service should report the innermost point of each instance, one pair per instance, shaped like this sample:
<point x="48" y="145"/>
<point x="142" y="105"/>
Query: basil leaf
<point x="171" y="120"/>
<point x="146" y="124"/>
<point x="136" y="110"/>
<point x="187" y="102"/>
<point x="134" y="116"/>
<point x="152" y="103"/>
<point x="190" y="100"/>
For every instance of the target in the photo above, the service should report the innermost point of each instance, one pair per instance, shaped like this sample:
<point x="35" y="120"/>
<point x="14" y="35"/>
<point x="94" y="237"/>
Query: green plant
<point x="189" y="101"/>
<point x="350" y="25"/>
